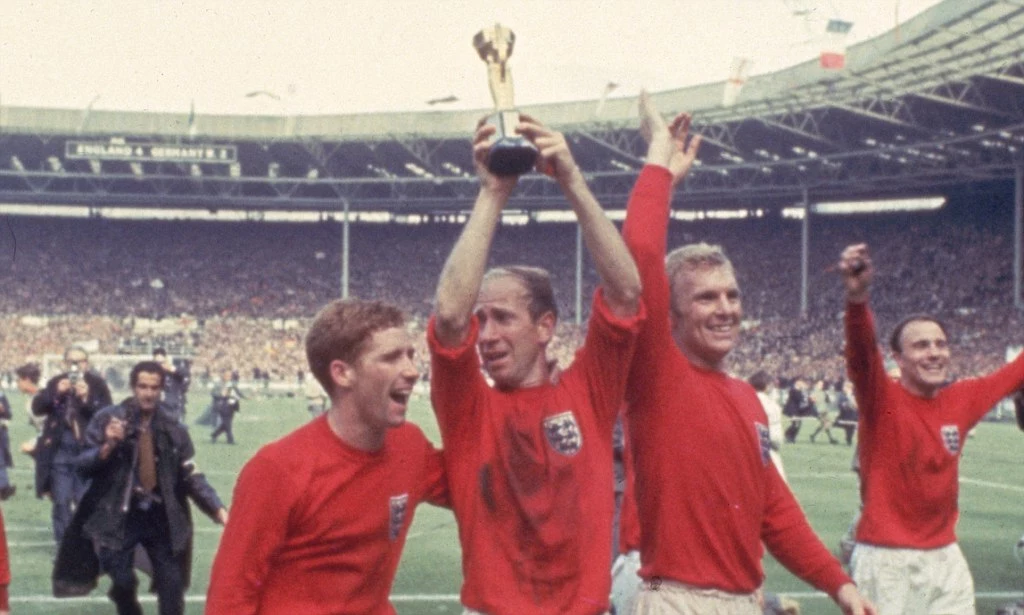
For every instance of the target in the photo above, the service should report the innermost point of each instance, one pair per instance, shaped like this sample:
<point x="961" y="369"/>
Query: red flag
<point x="833" y="49"/>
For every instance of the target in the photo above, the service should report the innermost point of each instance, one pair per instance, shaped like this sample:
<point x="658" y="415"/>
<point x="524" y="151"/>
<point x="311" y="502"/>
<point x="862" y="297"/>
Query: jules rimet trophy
<point x="510" y="153"/>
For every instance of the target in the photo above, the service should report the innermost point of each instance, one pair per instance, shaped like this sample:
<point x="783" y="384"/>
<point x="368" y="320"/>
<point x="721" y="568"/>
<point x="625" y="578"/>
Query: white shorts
<point x="626" y="582"/>
<point x="914" y="581"/>
<point x="468" y="611"/>
<point x="671" y="598"/>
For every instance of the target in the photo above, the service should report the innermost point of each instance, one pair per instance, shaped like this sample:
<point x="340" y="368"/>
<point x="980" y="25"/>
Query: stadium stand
<point x="250" y="287"/>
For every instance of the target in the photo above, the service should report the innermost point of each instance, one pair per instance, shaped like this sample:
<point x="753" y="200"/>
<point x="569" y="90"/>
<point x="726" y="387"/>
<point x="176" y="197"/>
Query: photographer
<point x="67" y="403"/>
<point x="225" y="403"/>
<point x="141" y="466"/>
<point x="177" y="378"/>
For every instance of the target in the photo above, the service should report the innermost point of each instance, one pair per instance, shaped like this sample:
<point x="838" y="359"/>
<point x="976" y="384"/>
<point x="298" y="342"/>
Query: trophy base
<point x="510" y="153"/>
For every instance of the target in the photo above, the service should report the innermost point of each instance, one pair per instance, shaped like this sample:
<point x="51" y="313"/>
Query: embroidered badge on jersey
<point x="563" y="433"/>
<point x="951" y="438"/>
<point x="764" y="439"/>
<point x="398" y="504"/>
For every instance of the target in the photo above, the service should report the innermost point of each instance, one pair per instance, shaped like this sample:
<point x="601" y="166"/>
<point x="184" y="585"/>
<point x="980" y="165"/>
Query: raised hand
<point x="553" y="155"/>
<point x="667" y="144"/>
<point x="114" y="431"/>
<point x="857" y="271"/>
<point x="481" y="148"/>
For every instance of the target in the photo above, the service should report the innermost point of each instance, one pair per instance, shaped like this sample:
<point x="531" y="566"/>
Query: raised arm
<point x="619" y="276"/>
<point x="667" y="144"/>
<point x="864" y="362"/>
<point x="463" y="272"/>
<point x="645" y="232"/>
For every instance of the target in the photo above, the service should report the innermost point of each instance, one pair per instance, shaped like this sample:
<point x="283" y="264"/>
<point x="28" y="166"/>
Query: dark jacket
<point x="176" y="385"/>
<point x="102" y="515"/>
<point x="56" y="408"/>
<point x="5" y="443"/>
<point x="798" y="404"/>
<point x="847" y="408"/>
<point x="226" y="398"/>
<point x="1018" y="405"/>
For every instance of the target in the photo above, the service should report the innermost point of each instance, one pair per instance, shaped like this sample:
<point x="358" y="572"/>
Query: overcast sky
<point x="356" y="56"/>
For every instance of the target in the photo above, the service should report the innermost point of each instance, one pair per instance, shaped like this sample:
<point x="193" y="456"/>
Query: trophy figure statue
<point x="510" y="153"/>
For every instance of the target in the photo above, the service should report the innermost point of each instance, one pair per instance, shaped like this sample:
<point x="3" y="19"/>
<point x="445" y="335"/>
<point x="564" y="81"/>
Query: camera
<point x="74" y="374"/>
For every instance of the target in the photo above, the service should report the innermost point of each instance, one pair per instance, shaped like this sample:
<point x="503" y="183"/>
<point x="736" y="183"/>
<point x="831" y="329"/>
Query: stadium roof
<point x="936" y="104"/>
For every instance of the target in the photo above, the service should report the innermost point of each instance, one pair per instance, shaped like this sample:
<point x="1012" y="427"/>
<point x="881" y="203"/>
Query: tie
<point x="147" y="459"/>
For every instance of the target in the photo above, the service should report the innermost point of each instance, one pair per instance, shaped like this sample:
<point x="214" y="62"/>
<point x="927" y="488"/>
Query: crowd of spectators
<point x="250" y="288"/>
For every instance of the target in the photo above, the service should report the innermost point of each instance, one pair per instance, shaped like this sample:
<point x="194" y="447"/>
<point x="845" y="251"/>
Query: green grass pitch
<point x="991" y="501"/>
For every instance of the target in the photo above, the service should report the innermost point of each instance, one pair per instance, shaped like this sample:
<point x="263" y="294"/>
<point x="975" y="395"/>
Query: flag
<point x="833" y="49"/>
<point x="608" y="89"/>
<point x="737" y="77"/>
<point x="192" y="119"/>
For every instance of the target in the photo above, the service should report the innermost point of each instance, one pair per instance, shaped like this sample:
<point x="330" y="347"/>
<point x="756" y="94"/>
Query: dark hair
<point x="159" y="351"/>
<point x="28" y="371"/>
<point x="760" y="381"/>
<point x="894" y="340"/>
<point x="149" y="367"/>
<point x="341" y="330"/>
<point x="537" y="282"/>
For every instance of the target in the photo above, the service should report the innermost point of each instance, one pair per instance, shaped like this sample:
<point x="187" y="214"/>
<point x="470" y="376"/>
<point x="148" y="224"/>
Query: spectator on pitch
<point x="177" y="378"/>
<point x="912" y="433"/>
<point x="225" y="403"/>
<point x="798" y="405"/>
<point x="67" y="403"/>
<point x="27" y="380"/>
<point x="320" y="516"/>
<point x="764" y="384"/>
<point x="707" y="492"/>
<point x="824" y="406"/>
<point x="140" y="462"/>
<point x="529" y="460"/>
<point x="846" y="401"/>
<point x="316" y="398"/>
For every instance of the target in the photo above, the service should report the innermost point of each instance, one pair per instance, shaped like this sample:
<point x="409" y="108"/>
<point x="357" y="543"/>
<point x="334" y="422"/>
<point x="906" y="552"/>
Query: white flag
<point x="737" y="77"/>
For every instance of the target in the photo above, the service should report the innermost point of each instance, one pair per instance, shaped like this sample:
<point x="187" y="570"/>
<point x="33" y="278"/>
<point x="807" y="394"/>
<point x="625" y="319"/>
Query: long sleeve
<point x="864" y="363"/>
<point x="455" y="383"/>
<point x="645" y="233"/>
<point x="986" y="391"/>
<point x="258" y="525"/>
<point x="88" y="461"/>
<point x="605" y="357"/>
<point x="790" y="538"/>
<point x="199" y="489"/>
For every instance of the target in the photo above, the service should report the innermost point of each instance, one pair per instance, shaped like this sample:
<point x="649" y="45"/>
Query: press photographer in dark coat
<point x="67" y="403"/>
<point x="140" y="463"/>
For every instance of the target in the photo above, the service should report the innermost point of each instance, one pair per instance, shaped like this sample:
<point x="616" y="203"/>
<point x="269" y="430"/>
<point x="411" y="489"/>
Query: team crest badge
<point x="951" y="438"/>
<point x="764" y="439"/>
<point x="398" y="504"/>
<point x="563" y="433"/>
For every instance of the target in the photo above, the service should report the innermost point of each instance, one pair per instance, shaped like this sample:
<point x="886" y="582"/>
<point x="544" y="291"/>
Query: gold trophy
<point x="510" y="153"/>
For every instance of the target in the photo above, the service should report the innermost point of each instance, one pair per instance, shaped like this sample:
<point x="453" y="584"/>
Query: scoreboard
<point x="150" y="152"/>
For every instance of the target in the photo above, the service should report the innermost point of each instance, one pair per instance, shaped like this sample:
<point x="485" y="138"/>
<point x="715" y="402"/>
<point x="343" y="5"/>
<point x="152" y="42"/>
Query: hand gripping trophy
<point x="510" y="154"/>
